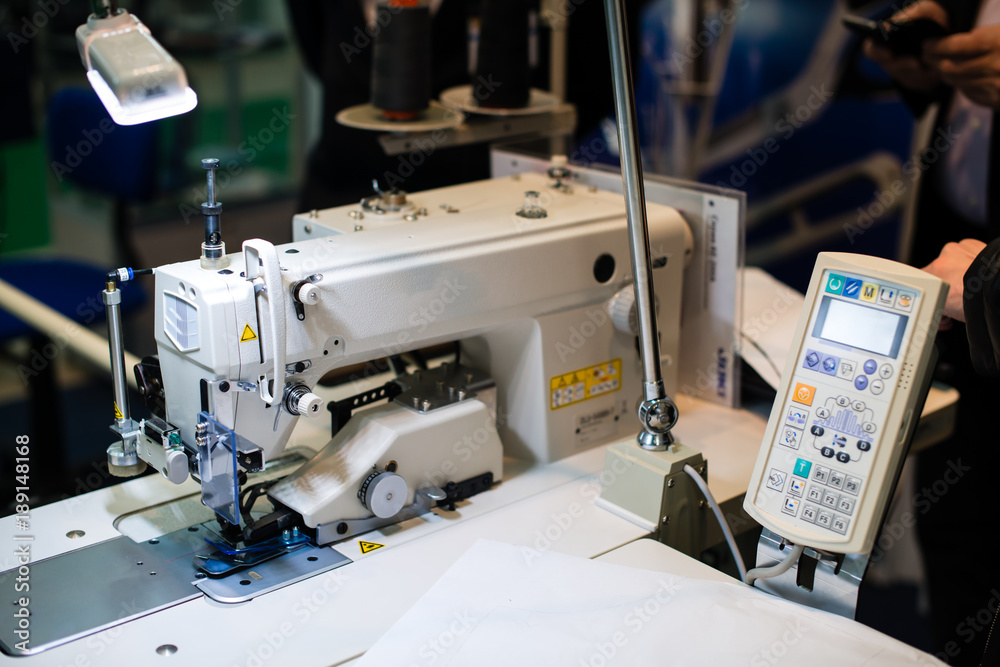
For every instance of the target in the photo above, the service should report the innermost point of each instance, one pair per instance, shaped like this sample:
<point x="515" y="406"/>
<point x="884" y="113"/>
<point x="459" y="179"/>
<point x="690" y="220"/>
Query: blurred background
<point x="772" y="97"/>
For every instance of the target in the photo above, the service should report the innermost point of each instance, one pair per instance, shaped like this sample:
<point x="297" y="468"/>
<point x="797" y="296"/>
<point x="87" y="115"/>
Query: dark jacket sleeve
<point x="982" y="310"/>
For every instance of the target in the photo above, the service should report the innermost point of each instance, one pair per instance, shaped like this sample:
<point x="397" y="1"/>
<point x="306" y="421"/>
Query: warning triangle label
<point x="248" y="334"/>
<point x="118" y="412"/>
<point x="367" y="547"/>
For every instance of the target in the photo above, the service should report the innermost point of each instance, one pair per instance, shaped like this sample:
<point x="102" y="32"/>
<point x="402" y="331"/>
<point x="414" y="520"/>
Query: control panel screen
<point x="861" y="327"/>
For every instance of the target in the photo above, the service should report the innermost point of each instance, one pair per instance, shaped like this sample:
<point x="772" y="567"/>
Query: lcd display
<point x="861" y="327"/>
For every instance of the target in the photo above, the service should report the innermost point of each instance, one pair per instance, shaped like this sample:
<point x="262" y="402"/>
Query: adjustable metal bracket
<point x="820" y="580"/>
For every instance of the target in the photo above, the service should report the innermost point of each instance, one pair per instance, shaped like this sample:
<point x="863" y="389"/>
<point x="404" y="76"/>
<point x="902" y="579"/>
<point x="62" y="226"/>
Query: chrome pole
<point x="112" y="302"/>
<point x="657" y="412"/>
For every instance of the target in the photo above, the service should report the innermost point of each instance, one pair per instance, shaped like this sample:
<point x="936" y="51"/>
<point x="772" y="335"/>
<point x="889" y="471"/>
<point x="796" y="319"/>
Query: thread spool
<point x="503" y="76"/>
<point x="401" y="62"/>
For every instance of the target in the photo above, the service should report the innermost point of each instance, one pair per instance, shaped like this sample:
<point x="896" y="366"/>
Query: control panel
<point x="846" y="404"/>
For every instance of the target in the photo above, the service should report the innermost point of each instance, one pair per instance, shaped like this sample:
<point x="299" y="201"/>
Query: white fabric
<point x="501" y="604"/>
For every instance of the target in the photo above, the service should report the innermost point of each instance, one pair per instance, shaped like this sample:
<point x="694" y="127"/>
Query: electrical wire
<point x="723" y="524"/>
<point x="779" y="568"/>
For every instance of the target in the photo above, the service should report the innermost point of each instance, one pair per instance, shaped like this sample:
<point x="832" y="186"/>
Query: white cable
<point x="722" y="520"/>
<point x="774" y="570"/>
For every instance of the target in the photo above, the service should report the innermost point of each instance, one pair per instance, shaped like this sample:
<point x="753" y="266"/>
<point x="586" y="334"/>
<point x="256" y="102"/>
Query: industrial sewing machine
<point x="530" y="273"/>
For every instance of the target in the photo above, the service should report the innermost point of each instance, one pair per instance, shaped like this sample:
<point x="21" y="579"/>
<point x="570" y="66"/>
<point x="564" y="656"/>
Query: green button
<point x="802" y="468"/>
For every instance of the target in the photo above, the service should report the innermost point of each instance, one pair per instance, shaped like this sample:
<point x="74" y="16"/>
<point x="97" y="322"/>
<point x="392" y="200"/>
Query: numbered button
<point x="846" y="505"/>
<point x="821" y="474"/>
<point x="836" y="480"/>
<point x="840" y="524"/>
<point x="852" y="485"/>
<point x="830" y="499"/>
<point x="824" y="518"/>
<point x="815" y="493"/>
<point x="809" y="513"/>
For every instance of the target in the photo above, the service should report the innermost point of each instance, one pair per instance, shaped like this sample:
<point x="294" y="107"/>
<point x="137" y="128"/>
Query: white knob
<point x="624" y="313"/>
<point x="308" y="293"/>
<point x="384" y="494"/>
<point x="309" y="405"/>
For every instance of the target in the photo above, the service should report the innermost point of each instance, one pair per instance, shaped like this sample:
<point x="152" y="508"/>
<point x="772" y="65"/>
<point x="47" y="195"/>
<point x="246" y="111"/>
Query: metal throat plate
<point x="98" y="587"/>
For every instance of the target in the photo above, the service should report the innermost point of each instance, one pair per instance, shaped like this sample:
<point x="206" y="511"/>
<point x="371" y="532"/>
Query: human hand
<point x="950" y="266"/>
<point x="909" y="71"/>
<point x="969" y="61"/>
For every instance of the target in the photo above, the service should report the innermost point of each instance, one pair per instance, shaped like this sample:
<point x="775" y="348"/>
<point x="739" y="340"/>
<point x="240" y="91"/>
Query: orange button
<point x="803" y="394"/>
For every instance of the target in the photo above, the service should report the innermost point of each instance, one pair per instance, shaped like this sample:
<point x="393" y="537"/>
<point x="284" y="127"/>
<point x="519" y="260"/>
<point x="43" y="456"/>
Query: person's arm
<point x="969" y="62"/>
<point x="919" y="83"/>
<point x="972" y="270"/>
<point x="982" y="309"/>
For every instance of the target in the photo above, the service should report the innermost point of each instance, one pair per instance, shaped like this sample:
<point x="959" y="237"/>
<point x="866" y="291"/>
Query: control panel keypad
<point x="834" y="417"/>
<point x="817" y="495"/>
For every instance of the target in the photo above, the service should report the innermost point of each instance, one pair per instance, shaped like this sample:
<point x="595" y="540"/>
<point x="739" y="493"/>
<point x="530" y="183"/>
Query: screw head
<point x="210" y="163"/>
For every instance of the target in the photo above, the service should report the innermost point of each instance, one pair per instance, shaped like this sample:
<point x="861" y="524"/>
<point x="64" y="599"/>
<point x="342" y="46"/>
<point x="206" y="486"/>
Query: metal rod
<point x="112" y="301"/>
<point x="635" y="202"/>
<point x="657" y="413"/>
<point x="61" y="329"/>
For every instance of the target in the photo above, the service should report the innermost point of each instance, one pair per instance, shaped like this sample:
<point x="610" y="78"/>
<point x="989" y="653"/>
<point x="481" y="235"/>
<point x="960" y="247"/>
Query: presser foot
<point x="228" y="558"/>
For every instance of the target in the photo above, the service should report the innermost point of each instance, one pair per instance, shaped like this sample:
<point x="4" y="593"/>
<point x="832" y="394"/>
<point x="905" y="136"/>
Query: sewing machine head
<point x="533" y="278"/>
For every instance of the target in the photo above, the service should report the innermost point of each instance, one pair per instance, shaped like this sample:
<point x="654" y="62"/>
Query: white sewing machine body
<point x="523" y="296"/>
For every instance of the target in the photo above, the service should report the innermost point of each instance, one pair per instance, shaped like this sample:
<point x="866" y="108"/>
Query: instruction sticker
<point x="585" y="384"/>
<point x="248" y="334"/>
<point x="368" y="547"/>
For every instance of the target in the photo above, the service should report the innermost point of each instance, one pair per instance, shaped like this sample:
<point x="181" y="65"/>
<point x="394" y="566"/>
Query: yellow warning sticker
<point x="118" y="412"/>
<point x="367" y="547"/>
<point x="585" y="384"/>
<point x="248" y="334"/>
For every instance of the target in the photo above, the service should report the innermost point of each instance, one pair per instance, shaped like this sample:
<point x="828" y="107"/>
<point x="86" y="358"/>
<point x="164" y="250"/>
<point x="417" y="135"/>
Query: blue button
<point x="802" y="467"/>
<point x="861" y="382"/>
<point x="870" y="366"/>
<point x="812" y="359"/>
<point x="830" y="365"/>
<point x="852" y="288"/>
